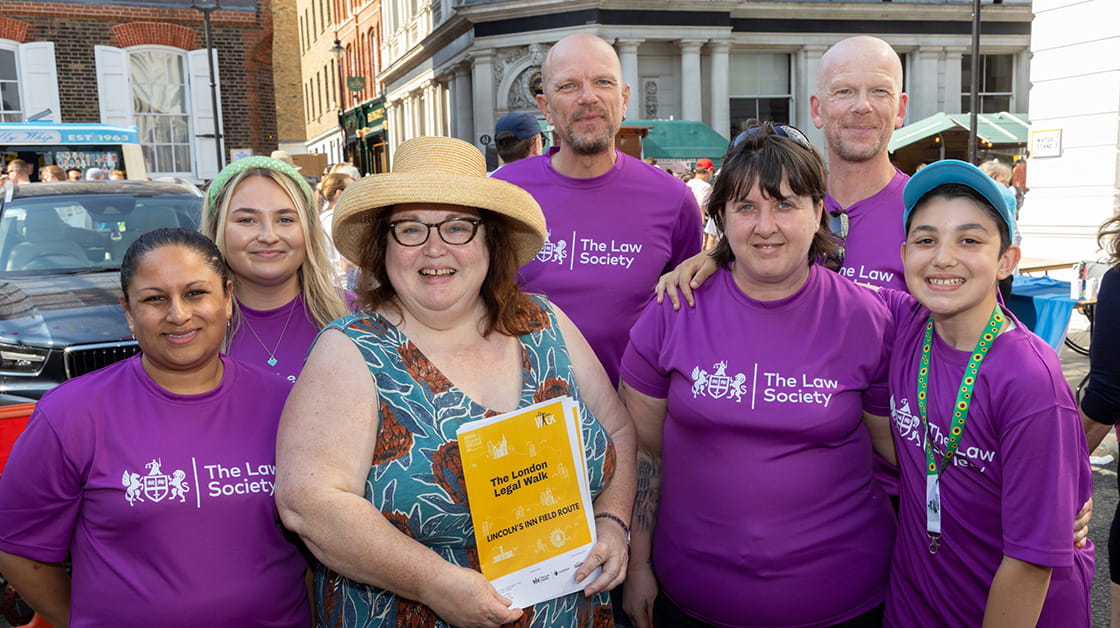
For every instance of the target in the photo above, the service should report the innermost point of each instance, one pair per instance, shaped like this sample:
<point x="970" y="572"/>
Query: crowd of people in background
<point x="802" y="401"/>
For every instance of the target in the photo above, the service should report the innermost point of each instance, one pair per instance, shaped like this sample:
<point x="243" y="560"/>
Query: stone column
<point x="805" y="76"/>
<point x="462" y="94"/>
<point x="453" y="87"/>
<point x="628" y="55"/>
<point x="418" y="121"/>
<point x="443" y="125"/>
<point x="437" y="108"/>
<point x="924" y="95"/>
<point x="690" y="79"/>
<point x="953" y="91"/>
<point x="390" y="120"/>
<point x="721" y="87"/>
<point x="430" y="111"/>
<point x="482" y="83"/>
<point x="1022" y="85"/>
<point x="406" y="118"/>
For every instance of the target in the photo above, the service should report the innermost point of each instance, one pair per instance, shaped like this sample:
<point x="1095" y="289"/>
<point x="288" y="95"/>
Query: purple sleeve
<point x="640" y="361"/>
<point x="876" y="399"/>
<point x="1101" y="402"/>
<point x="1043" y="458"/>
<point x="688" y="233"/>
<point x="40" y="494"/>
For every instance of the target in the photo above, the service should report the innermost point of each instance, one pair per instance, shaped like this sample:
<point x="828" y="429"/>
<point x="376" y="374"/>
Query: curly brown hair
<point x="506" y="305"/>
<point x="1108" y="238"/>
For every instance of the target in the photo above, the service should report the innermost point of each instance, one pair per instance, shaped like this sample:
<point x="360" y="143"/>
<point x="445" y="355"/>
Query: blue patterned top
<point x="416" y="476"/>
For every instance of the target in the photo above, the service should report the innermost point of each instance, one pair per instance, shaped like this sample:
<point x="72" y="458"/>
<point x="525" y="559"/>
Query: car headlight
<point x="22" y="359"/>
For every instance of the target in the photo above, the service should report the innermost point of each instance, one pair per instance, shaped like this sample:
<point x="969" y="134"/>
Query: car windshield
<point x="81" y="233"/>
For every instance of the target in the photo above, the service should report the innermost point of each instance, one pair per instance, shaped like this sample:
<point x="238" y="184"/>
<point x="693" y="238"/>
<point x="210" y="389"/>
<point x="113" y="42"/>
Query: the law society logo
<point x="553" y="251"/>
<point x="156" y="486"/>
<point x="719" y="384"/>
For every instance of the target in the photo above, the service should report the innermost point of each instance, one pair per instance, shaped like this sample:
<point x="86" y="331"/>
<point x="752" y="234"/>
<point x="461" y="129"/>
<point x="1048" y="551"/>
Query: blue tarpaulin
<point x="1044" y="306"/>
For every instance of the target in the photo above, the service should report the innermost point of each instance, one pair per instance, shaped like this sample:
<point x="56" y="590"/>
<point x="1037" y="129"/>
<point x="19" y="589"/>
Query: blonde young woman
<point x="258" y="211"/>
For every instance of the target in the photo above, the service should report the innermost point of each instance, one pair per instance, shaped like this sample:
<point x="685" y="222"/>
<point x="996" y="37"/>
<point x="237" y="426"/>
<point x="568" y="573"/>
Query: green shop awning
<point x="685" y="140"/>
<point x="994" y="128"/>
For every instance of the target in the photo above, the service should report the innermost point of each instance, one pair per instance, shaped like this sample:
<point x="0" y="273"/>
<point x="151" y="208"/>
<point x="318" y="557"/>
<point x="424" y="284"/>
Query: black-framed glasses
<point x="454" y="231"/>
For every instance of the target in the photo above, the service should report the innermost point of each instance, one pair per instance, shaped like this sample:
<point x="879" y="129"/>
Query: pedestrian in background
<point x="19" y="171"/>
<point x="518" y="136"/>
<point x="327" y="193"/>
<point x="48" y="174"/>
<point x="701" y="182"/>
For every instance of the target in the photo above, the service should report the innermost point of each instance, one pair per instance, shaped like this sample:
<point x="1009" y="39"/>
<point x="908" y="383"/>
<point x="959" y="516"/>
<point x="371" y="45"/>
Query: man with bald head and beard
<point x="614" y="223"/>
<point x="859" y="103"/>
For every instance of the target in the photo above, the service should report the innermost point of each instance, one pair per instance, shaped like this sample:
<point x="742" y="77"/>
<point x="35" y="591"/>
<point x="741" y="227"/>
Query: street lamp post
<point x="337" y="50"/>
<point x="207" y="6"/>
<point x="974" y="87"/>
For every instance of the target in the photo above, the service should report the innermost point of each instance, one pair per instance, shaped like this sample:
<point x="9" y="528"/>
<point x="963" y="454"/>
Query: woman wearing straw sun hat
<point x="443" y="337"/>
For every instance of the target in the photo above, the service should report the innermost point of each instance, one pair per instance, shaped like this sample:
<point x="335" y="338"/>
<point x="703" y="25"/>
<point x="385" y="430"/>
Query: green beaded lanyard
<point x="960" y="415"/>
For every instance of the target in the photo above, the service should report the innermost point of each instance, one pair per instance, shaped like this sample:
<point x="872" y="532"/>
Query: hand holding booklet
<point x="526" y="479"/>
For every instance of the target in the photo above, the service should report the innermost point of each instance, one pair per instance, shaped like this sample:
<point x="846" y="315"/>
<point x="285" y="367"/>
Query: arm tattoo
<point x="649" y="491"/>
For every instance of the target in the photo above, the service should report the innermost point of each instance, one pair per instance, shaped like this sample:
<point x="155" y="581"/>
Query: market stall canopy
<point x="992" y="128"/>
<point x="680" y="142"/>
<point x="945" y="136"/>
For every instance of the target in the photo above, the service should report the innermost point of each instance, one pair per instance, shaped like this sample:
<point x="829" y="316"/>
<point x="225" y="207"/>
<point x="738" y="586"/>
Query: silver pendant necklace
<point x="272" y="354"/>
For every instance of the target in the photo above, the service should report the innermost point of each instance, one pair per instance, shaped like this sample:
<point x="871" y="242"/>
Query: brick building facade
<point x="166" y="88"/>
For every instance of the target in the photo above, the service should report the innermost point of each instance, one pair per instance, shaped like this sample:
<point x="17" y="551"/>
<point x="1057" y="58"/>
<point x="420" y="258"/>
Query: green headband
<point x="256" y="161"/>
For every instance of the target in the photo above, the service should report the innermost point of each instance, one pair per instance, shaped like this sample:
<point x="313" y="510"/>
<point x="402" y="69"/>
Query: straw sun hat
<point x="436" y="170"/>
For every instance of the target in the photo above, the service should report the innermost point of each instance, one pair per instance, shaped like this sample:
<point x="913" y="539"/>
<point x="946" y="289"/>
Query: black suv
<point x="60" y="251"/>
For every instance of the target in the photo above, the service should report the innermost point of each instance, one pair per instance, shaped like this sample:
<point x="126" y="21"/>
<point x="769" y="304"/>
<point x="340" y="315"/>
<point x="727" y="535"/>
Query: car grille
<point x="82" y="359"/>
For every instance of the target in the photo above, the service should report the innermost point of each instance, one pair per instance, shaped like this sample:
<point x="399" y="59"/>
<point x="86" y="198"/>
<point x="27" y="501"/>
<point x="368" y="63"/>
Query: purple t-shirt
<point x="609" y="239"/>
<point x="164" y="502"/>
<point x="288" y="330"/>
<point x="875" y="233"/>
<point x="769" y="515"/>
<point x="1021" y="474"/>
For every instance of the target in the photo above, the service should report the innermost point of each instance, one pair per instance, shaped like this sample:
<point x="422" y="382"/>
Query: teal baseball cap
<point x="955" y="171"/>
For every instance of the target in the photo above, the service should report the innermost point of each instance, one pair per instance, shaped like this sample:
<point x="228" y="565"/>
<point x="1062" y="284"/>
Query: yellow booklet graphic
<point x="526" y="479"/>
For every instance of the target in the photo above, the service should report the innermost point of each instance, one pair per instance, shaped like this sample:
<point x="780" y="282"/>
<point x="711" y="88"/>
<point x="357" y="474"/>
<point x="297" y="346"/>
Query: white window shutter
<point x="202" y="112"/>
<point x="114" y="89"/>
<point x="38" y="82"/>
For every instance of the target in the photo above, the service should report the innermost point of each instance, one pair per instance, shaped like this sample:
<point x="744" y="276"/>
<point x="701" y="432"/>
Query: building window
<point x="159" y="104"/>
<point x="996" y="85"/>
<point x="760" y="88"/>
<point x="10" y="110"/>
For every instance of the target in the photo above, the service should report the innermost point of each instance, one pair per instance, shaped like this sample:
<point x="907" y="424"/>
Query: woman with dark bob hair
<point x="154" y="475"/>
<point x="444" y="337"/>
<point x="757" y="505"/>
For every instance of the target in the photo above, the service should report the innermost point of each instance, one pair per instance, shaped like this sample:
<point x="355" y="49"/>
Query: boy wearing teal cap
<point x="992" y="457"/>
